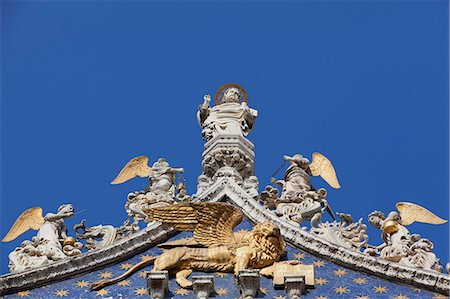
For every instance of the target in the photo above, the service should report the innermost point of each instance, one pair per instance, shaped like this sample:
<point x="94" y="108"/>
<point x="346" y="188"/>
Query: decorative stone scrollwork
<point x="227" y="157"/>
<point x="345" y="233"/>
<point x="100" y="236"/>
<point x="297" y="207"/>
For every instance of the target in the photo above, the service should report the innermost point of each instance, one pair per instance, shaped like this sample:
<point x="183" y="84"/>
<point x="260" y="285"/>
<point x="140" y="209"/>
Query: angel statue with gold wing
<point x="160" y="191"/>
<point x="214" y="246"/>
<point x="50" y="244"/>
<point x="399" y="244"/>
<point x="299" y="200"/>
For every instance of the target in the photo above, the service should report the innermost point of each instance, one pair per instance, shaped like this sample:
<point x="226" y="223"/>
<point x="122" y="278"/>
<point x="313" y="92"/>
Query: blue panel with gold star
<point x="332" y="281"/>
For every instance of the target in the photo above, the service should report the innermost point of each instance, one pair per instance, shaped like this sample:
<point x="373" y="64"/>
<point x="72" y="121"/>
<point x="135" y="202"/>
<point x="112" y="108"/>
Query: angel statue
<point x="399" y="244"/>
<point x="299" y="200"/>
<point x="214" y="246"/>
<point x="160" y="191"/>
<point x="230" y="116"/>
<point x="50" y="244"/>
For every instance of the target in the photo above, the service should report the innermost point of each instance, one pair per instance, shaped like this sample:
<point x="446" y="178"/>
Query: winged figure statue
<point x="399" y="244"/>
<point x="214" y="246"/>
<point x="51" y="242"/>
<point x="297" y="176"/>
<point x="299" y="199"/>
<point x="161" y="190"/>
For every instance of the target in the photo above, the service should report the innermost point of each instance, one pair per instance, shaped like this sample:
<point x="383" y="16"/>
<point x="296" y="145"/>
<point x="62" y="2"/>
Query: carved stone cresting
<point x="345" y="233"/>
<point x="225" y="189"/>
<point x="400" y="246"/>
<point x="100" y="236"/>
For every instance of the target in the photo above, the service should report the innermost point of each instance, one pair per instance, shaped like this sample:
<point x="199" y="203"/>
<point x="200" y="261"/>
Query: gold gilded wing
<point x="31" y="218"/>
<point x="410" y="212"/>
<point x="211" y="222"/>
<point x="135" y="167"/>
<point x="322" y="166"/>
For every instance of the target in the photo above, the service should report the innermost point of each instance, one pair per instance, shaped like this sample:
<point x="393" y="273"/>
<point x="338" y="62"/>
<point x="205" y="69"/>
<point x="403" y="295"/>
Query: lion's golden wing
<point x="135" y="167"/>
<point x="410" y="212"/>
<point x="180" y="216"/>
<point x="30" y="219"/>
<point x="322" y="166"/>
<point x="216" y="223"/>
<point x="211" y="222"/>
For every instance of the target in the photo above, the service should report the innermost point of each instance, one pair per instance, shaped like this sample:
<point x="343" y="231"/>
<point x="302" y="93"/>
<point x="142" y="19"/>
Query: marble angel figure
<point x="399" y="244"/>
<point x="50" y="244"/>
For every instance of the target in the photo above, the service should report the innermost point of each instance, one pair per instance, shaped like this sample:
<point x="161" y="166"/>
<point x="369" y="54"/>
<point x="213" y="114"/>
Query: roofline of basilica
<point x="224" y="189"/>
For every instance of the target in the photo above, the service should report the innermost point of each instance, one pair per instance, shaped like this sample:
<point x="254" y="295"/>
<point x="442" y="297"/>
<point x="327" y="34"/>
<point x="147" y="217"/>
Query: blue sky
<point x="88" y="85"/>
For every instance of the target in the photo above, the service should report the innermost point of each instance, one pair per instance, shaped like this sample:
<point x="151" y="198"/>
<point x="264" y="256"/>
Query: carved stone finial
<point x="249" y="283"/>
<point x="294" y="285"/>
<point x="203" y="286"/>
<point x="158" y="284"/>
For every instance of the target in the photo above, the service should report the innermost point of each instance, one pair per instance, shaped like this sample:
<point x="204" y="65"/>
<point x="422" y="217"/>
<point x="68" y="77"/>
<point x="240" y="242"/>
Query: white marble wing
<point x="30" y="219"/>
<point x="322" y="166"/>
<point x="135" y="167"/>
<point x="410" y="212"/>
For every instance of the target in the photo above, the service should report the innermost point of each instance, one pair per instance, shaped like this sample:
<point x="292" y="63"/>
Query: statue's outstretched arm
<point x="53" y="217"/>
<point x="177" y="169"/>
<point x="277" y="182"/>
<point x="203" y="109"/>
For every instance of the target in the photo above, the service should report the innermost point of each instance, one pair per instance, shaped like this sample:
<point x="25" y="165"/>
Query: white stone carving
<point x="400" y="245"/>
<point x="299" y="200"/>
<point x="230" y="117"/>
<point x="345" y="233"/>
<point x="48" y="245"/>
<point x="160" y="192"/>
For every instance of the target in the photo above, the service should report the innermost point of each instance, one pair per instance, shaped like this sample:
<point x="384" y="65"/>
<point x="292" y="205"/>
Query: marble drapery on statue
<point x="400" y="245"/>
<point x="299" y="200"/>
<point x="231" y="116"/>
<point x="50" y="244"/>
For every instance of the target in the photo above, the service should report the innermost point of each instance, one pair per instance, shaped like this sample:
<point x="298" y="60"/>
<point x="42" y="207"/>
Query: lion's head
<point x="267" y="242"/>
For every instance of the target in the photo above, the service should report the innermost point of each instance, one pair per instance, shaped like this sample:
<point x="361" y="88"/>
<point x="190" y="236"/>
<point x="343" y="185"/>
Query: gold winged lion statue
<point x="214" y="246"/>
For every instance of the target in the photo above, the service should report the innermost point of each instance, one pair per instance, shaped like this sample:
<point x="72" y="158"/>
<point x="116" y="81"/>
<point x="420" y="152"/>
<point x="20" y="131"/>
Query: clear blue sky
<point x="88" y="85"/>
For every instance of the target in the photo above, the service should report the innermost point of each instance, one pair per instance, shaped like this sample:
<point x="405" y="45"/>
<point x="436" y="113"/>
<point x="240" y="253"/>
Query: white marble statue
<point x="231" y="116"/>
<point x="50" y="244"/>
<point x="299" y="200"/>
<point x="160" y="191"/>
<point x="399" y="244"/>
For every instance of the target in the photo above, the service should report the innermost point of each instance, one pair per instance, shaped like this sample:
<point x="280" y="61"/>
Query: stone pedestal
<point x="249" y="283"/>
<point x="230" y="156"/>
<point x="203" y="286"/>
<point x="158" y="284"/>
<point x="294" y="286"/>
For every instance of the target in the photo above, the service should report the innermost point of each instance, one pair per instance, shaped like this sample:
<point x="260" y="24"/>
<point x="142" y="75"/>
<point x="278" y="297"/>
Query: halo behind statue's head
<point x="223" y="89"/>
